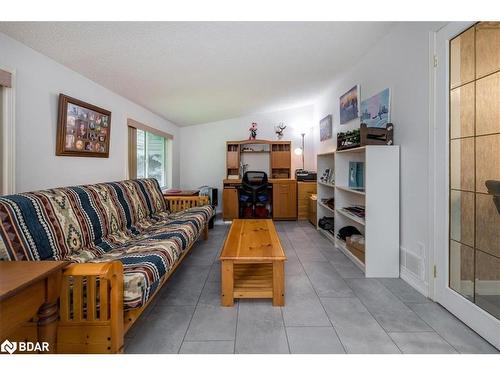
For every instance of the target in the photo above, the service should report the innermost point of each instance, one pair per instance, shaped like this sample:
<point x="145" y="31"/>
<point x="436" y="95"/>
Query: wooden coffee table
<point x="252" y="262"/>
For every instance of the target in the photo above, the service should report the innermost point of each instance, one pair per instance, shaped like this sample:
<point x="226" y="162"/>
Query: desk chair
<point x="253" y="190"/>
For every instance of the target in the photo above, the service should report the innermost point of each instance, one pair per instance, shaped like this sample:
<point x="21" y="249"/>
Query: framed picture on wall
<point x="349" y="105"/>
<point x="376" y="111"/>
<point x="325" y="128"/>
<point x="83" y="129"/>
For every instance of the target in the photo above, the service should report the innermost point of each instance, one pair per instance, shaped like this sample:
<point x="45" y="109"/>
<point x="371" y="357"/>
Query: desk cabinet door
<point x="285" y="200"/>
<point x="280" y="159"/>
<point x="305" y="190"/>
<point x="230" y="203"/>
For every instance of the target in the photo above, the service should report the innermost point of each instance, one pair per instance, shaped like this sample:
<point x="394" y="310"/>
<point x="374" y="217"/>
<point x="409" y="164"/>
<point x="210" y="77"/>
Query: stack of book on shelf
<point x="330" y="202"/>
<point x="328" y="176"/>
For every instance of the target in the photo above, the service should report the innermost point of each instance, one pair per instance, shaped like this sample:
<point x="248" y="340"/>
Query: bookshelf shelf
<point x="327" y="234"/>
<point x="351" y="190"/>
<point x="326" y="207"/>
<point x="343" y="247"/>
<point x="355" y="150"/>
<point x="326" y="184"/>
<point x="350" y="216"/>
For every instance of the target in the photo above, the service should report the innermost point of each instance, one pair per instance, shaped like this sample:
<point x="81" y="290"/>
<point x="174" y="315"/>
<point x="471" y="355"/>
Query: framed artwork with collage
<point x="82" y="129"/>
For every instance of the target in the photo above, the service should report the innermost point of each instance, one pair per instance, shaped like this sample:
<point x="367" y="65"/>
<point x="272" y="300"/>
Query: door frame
<point x="476" y="318"/>
<point x="8" y="146"/>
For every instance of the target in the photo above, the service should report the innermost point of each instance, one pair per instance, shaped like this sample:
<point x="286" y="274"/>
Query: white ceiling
<point x="198" y="72"/>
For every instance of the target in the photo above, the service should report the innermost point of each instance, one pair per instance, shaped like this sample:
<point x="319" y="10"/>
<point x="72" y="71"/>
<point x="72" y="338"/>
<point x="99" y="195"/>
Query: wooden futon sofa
<point x="123" y="243"/>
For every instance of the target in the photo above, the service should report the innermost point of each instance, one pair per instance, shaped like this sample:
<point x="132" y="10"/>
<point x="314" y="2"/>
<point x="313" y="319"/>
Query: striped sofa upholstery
<point x="125" y="221"/>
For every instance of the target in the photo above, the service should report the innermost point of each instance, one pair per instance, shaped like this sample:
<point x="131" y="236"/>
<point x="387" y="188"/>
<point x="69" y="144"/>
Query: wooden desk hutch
<point x="284" y="187"/>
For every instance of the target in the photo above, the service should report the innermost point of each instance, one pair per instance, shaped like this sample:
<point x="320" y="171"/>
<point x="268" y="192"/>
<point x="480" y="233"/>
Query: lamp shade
<point x="298" y="151"/>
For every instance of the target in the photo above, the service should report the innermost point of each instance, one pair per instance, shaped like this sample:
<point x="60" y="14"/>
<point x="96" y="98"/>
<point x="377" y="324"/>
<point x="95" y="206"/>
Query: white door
<point x="475" y="317"/>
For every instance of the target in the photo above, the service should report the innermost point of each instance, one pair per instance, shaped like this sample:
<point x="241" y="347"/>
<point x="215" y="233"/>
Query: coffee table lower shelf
<point x="252" y="280"/>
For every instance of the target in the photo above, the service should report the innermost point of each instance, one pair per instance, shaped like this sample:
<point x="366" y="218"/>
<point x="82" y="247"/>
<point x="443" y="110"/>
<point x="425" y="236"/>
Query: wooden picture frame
<point x="83" y="129"/>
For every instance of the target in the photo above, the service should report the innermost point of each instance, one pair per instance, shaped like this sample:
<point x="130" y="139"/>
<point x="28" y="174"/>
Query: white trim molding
<point x="9" y="135"/>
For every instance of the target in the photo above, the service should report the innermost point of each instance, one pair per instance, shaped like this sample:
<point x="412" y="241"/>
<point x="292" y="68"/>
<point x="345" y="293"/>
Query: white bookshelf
<point x="380" y="197"/>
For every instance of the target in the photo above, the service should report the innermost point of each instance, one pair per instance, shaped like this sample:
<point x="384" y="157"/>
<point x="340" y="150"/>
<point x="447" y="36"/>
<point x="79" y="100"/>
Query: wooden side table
<point x="28" y="290"/>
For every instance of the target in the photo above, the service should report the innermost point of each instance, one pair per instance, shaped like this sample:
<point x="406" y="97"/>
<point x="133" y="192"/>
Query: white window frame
<point x="8" y="148"/>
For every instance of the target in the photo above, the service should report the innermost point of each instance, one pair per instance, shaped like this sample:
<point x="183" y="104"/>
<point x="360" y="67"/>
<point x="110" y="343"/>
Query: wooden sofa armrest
<point x="176" y="204"/>
<point x="91" y="296"/>
<point x="104" y="270"/>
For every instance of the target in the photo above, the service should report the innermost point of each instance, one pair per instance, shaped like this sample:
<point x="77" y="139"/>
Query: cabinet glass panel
<point x="487" y="283"/>
<point x="487" y="107"/>
<point x="462" y="58"/>
<point x="462" y="164"/>
<point x="462" y="269"/>
<point x="487" y="48"/>
<point x="462" y="217"/>
<point x="488" y="224"/>
<point x="487" y="161"/>
<point x="462" y="111"/>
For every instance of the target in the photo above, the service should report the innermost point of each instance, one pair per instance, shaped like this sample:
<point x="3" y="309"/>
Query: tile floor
<point x="330" y="308"/>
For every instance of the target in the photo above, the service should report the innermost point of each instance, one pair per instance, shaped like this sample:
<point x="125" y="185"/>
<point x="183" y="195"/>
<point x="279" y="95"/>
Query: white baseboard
<point x="414" y="281"/>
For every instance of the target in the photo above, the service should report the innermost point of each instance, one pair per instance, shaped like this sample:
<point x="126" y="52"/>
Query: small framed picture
<point x="349" y="105"/>
<point x="79" y="126"/>
<point x="325" y="128"/>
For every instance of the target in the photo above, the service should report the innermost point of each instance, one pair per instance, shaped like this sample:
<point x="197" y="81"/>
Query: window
<point x="149" y="154"/>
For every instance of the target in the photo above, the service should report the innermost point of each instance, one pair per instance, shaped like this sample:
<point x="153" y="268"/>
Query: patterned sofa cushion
<point x="150" y="255"/>
<point x="125" y="221"/>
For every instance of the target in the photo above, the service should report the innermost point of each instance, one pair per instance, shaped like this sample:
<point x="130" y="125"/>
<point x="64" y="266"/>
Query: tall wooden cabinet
<point x="304" y="191"/>
<point x="230" y="203"/>
<point x="281" y="159"/>
<point x="284" y="199"/>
